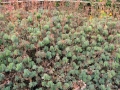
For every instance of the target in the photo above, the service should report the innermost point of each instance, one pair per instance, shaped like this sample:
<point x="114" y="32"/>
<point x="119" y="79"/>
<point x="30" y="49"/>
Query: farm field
<point x="59" y="47"/>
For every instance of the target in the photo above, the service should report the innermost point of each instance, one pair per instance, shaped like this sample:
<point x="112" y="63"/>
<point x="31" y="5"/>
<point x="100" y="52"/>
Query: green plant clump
<point x="57" y="51"/>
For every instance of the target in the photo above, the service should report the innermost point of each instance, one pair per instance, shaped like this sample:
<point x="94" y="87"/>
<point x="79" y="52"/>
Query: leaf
<point x="33" y="74"/>
<point x="44" y="83"/>
<point x="11" y="66"/>
<point x="50" y="84"/>
<point x="46" y="41"/>
<point x="48" y="55"/>
<point x="91" y="87"/>
<point x="34" y="67"/>
<point x="69" y="54"/>
<point x="85" y="44"/>
<point x="59" y="85"/>
<point x="65" y="60"/>
<point x="74" y="57"/>
<point x="102" y="87"/>
<point x="7" y="52"/>
<point x="106" y="64"/>
<point x="19" y="67"/>
<point x="46" y="27"/>
<point x="40" y="69"/>
<point x="75" y="66"/>
<point x="22" y="85"/>
<point x="14" y="38"/>
<point x="26" y="73"/>
<point x="46" y="77"/>
<point x="30" y="19"/>
<point x="27" y="59"/>
<point x="67" y="49"/>
<point x="66" y="27"/>
<point x="89" y="77"/>
<point x="52" y="49"/>
<point x="32" y="84"/>
<point x="38" y="15"/>
<point x="7" y="88"/>
<point x="2" y="76"/>
<point x="2" y="67"/>
<point x="6" y="36"/>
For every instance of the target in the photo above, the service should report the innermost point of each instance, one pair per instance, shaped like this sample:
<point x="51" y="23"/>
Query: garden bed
<point x="59" y="50"/>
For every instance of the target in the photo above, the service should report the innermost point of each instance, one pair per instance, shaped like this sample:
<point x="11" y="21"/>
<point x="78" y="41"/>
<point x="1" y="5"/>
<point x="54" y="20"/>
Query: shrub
<point x="38" y="54"/>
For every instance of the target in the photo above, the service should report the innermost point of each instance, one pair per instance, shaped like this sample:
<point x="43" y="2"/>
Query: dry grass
<point x="85" y="9"/>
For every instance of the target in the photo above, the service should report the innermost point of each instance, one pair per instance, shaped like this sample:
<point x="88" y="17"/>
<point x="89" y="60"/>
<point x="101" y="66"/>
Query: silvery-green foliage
<point x="50" y="53"/>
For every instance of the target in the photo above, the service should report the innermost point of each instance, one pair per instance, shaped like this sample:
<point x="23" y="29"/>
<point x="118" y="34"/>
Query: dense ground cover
<point x="55" y="50"/>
